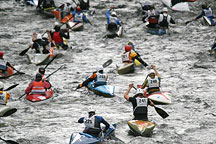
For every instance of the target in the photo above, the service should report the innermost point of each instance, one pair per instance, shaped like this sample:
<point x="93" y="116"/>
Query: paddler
<point x="112" y="20"/>
<point x="39" y="43"/>
<point x="92" y="123"/>
<point x="207" y="11"/>
<point x="129" y="56"/>
<point x="42" y="71"/>
<point x="38" y="86"/>
<point x="4" y="65"/>
<point x="4" y="96"/>
<point x="99" y="77"/>
<point x="165" y="19"/>
<point x="46" y="4"/>
<point x="78" y="16"/>
<point x="84" y="4"/>
<point x="58" y="35"/>
<point x="152" y="82"/>
<point x="66" y="9"/>
<point x="139" y="102"/>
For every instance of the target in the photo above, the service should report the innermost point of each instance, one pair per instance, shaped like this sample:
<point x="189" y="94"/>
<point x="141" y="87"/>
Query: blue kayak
<point x="84" y="138"/>
<point x="103" y="90"/>
<point x="156" y="31"/>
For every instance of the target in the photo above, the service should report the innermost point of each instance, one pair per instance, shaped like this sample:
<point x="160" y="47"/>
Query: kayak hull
<point x="38" y="59"/>
<point x="160" y="97"/>
<point x="40" y="99"/>
<point x="102" y="90"/>
<point x="117" y="33"/>
<point x="10" y="72"/>
<point x="84" y="138"/>
<point x="76" y="26"/>
<point x="156" y="31"/>
<point x="141" y="127"/>
<point x="6" y="111"/>
<point x="125" y="68"/>
<point x="182" y="6"/>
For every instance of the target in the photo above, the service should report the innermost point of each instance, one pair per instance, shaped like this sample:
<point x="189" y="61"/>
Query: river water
<point x="182" y="59"/>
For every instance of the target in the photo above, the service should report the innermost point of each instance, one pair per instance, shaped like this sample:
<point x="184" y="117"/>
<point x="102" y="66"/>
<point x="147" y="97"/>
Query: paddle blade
<point x="107" y="63"/>
<point x="161" y="112"/>
<point x="11" y="87"/>
<point x="51" y="61"/>
<point x="8" y="141"/>
<point x="187" y="22"/>
<point x="24" y="51"/>
<point x="9" y="112"/>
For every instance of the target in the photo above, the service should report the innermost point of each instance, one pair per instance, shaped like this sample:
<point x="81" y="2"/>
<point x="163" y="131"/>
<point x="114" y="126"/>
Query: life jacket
<point x="154" y="84"/>
<point x="113" y="19"/>
<point x="4" y="96"/>
<point x="208" y="12"/>
<point x="57" y="38"/>
<point x="3" y="65"/>
<point x="78" y="17"/>
<point x="100" y="79"/>
<point x="126" y="58"/>
<point x="164" y="22"/>
<point x="153" y="20"/>
<point x="38" y="88"/>
<point x="142" y="106"/>
<point x="91" y="122"/>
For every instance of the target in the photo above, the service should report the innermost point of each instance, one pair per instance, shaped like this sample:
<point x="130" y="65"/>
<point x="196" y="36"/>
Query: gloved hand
<point x="79" y="86"/>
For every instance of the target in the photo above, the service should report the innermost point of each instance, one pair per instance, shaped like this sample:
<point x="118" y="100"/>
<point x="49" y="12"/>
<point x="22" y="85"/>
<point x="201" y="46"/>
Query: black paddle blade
<point x="51" y="61"/>
<point x="24" y="52"/>
<point x="161" y="112"/>
<point x="9" y="112"/>
<point x="11" y="87"/>
<point x="107" y="63"/>
<point x="187" y="22"/>
<point x="8" y="141"/>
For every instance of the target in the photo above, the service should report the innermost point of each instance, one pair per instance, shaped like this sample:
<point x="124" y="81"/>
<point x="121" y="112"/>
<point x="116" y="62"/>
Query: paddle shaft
<point x="55" y="71"/>
<point x="50" y="61"/>
<point x="11" y="87"/>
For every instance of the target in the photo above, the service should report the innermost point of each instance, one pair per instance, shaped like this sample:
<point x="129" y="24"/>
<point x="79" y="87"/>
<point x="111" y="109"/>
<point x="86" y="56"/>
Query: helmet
<point x="41" y="70"/>
<point x="152" y="73"/>
<point x="165" y="9"/>
<point x="1" y="85"/>
<point x="113" y="14"/>
<point x="68" y="2"/>
<point x="204" y="6"/>
<point x="1" y="54"/>
<point x="127" y="48"/>
<point x="100" y="69"/>
<point x="139" y="91"/>
<point x="38" y="76"/>
<point x="56" y="24"/>
<point x="78" y="9"/>
<point x="38" y="36"/>
<point x="91" y="109"/>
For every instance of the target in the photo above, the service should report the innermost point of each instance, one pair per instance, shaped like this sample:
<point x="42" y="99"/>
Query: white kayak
<point x="160" y="97"/>
<point x="38" y="58"/>
<point x="182" y="6"/>
<point x="75" y="26"/>
<point x="6" y="110"/>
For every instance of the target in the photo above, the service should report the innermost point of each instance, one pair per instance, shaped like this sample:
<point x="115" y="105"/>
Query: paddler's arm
<point x="29" y="88"/>
<point x="145" y="84"/>
<point x="49" y="35"/>
<point x="101" y="119"/>
<point x="156" y="72"/>
<point x="135" y="56"/>
<point x="85" y="83"/>
<point x="127" y="92"/>
<point x="62" y="33"/>
<point x="151" y="103"/>
<point x="81" y="120"/>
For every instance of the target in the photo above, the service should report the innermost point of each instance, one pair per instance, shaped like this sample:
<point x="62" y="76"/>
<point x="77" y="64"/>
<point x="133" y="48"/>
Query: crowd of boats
<point x="74" y="17"/>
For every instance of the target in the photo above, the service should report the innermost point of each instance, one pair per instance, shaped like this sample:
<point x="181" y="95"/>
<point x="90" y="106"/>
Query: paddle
<point x="8" y="141"/>
<point x="160" y="111"/>
<point x="11" y="87"/>
<point x="15" y="69"/>
<point x="187" y="22"/>
<point x="51" y="61"/>
<point x="24" y="51"/>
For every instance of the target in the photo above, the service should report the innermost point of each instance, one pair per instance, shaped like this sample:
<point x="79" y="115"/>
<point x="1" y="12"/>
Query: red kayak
<point x="38" y="99"/>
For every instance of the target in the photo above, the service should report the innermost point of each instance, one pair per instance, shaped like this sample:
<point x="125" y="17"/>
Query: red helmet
<point x="78" y="9"/>
<point x="1" y="54"/>
<point x="127" y="48"/>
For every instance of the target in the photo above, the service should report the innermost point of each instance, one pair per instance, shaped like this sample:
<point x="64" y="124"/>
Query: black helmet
<point x="204" y="6"/>
<point x="57" y="28"/>
<point x="42" y="70"/>
<point x="38" y="77"/>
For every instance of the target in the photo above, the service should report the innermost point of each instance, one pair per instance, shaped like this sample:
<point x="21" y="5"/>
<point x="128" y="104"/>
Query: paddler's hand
<point x="131" y="85"/>
<point x="112" y="7"/>
<point x="153" y="67"/>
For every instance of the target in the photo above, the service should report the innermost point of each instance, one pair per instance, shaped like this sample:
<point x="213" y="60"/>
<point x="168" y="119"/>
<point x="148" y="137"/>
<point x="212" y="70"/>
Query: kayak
<point x="141" y="127"/>
<point x="6" y="110"/>
<point x="32" y="2"/>
<point x="181" y="6"/>
<point x="38" y="58"/>
<point x="46" y="11"/>
<point x="84" y="138"/>
<point x="102" y="90"/>
<point x="115" y="33"/>
<point x="160" y="97"/>
<point x="38" y="98"/>
<point x="125" y="68"/>
<point x="156" y="31"/>
<point x="74" y="26"/>
<point x="10" y="72"/>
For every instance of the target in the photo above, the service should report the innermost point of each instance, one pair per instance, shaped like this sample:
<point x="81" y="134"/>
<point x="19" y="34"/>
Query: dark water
<point x="182" y="59"/>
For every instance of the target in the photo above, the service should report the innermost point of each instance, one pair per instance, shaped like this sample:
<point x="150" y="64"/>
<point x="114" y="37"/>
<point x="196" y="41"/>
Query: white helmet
<point x="100" y="68"/>
<point x="151" y="71"/>
<point x="38" y="36"/>
<point x="91" y="109"/>
<point x="56" y="24"/>
<point x="165" y="9"/>
<point x="139" y="91"/>
<point x="113" y="14"/>
<point x="1" y="85"/>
